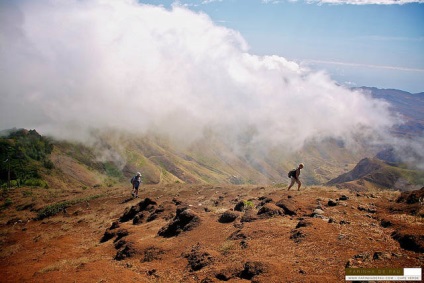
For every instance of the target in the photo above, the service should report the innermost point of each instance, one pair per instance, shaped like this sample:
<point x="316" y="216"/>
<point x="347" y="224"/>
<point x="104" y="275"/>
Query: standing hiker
<point x="294" y="176"/>
<point x="135" y="181"/>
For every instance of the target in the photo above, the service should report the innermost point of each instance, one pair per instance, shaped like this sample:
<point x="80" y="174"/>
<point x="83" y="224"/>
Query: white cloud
<point x="70" y="66"/>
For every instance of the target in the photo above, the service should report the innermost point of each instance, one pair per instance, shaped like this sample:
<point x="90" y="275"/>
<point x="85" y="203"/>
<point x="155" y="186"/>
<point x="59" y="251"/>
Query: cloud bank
<point x="72" y="66"/>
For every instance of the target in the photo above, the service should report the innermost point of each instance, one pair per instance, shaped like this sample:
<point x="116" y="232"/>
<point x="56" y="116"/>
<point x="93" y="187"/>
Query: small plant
<point x="226" y="247"/>
<point x="248" y="204"/>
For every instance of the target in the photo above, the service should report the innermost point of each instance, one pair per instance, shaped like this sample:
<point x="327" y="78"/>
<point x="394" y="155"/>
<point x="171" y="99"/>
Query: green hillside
<point x="111" y="158"/>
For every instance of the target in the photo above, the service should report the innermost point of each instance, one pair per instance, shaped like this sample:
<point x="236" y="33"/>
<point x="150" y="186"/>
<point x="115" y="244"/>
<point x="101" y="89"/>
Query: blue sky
<point x="378" y="45"/>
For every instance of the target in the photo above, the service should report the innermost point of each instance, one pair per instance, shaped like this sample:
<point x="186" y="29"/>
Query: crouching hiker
<point x="294" y="176"/>
<point x="135" y="181"/>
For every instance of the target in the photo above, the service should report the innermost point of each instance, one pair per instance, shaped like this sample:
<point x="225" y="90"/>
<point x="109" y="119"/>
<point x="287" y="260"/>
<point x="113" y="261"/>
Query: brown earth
<point x="205" y="233"/>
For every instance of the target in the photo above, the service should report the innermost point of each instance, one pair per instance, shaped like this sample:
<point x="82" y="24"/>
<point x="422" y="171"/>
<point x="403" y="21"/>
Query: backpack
<point x="132" y="180"/>
<point x="292" y="173"/>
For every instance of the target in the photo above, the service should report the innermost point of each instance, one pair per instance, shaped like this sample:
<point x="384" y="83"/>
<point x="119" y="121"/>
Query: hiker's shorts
<point x="294" y="180"/>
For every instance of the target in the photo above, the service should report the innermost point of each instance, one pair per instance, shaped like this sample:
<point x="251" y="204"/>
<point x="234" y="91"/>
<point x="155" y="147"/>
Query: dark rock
<point x="265" y="200"/>
<point x="198" y="259"/>
<point x="409" y="241"/>
<point x="185" y="220"/>
<point x="270" y="210"/>
<point x="362" y="207"/>
<point x="119" y="244"/>
<point x="288" y="206"/>
<point x="411" y="197"/>
<point x="239" y="206"/>
<point x="152" y="217"/>
<point x="297" y="235"/>
<point x="126" y="251"/>
<point x="228" y="216"/>
<point x="120" y="234"/>
<point x="114" y="225"/>
<point x="176" y="201"/>
<point x="244" y="244"/>
<point x="303" y="223"/>
<point x="155" y="214"/>
<point x="385" y="223"/>
<point x="332" y="202"/>
<point x="249" y="216"/>
<point x="151" y="254"/>
<point x="344" y="222"/>
<point x="224" y="275"/>
<point x="344" y="197"/>
<point x="109" y="234"/>
<point x="138" y="219"/>
<point x="252" y="269"/>
<point x="144" y="205"/>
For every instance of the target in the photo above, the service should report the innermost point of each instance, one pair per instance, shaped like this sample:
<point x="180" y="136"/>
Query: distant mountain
<point x="409" y="105"/>
<point x="377" y="173"/>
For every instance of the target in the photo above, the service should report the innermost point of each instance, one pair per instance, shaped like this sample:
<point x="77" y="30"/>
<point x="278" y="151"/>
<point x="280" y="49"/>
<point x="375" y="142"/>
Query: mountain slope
<point x="378" y="173"/>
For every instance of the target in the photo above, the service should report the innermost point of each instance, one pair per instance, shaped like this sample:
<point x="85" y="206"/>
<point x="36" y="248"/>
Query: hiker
<point x="135" y="181"/>
<point x="294" y="176"/>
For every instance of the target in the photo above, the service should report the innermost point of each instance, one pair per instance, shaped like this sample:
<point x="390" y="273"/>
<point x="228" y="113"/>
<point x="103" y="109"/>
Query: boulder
<point x="270" y="210"/>
<point x="144" y="205"/>
<point x="197" y="259"/>
<point x="288" y="206"/>
<point x="249" y="216"/>
<point x="303" y="223"/>
<point x="185" y="220"/>
<point x="332" y="202"/>
<point x="228" y="216"/>
<point x="252" y="269"/>
<point x="128" y="250"/>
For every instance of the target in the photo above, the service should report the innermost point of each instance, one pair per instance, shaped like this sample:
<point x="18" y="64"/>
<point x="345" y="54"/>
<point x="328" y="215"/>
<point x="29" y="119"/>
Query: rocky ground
<point x="205" y="233"/>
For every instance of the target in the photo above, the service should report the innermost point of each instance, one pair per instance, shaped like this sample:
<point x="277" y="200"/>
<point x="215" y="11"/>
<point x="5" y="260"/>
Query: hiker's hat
<point x="138" y="174"/>
<point x="301" y="165"/>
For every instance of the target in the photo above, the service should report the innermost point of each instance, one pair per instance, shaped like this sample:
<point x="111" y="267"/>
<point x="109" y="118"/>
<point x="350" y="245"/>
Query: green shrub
<point x="35" y="183"/>
<point x="48" y="164"/>
<point x="55" y="208"/>
<point x="112" y="170"/>
<point x="248" y="204"/>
